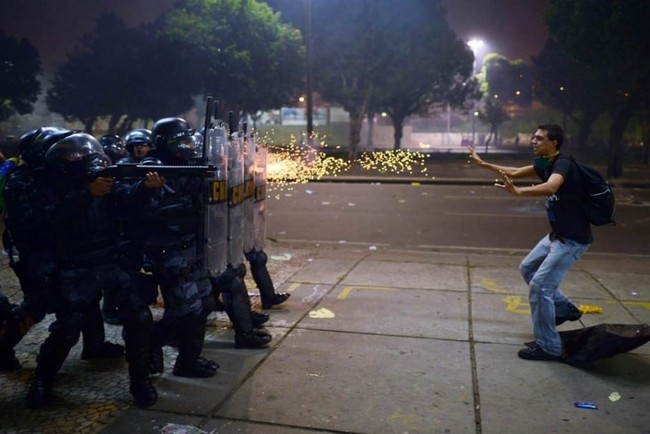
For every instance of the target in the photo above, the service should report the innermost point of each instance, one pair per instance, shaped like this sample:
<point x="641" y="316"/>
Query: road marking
<point x="348" y="289"/>
<point x="492" y="286"/>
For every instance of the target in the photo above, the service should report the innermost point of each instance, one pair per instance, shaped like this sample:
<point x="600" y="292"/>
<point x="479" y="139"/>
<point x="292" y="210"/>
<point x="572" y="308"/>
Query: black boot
<point x="275" y="299"/>
<point x="238" y="308"/>
<point x="106" y="350"/>
<point x="254" y="340"/>
<point x="94" y="344"/>
<point x="164" y="331"/>
<point x="53" y="353"/>
<point x="259" y="318"/>
<point x="8" y="360"/>
<point x="189" y="362"/>
<point x="137" y="337"/>
<point x="262" y="278"/>
<point x="17" y="324"/>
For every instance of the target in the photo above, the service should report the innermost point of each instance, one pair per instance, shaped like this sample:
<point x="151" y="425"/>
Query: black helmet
<point x="77" y="155"/>
<point x="113" y="146"/>
<point x="137" y="136"/>
<point x="35" y="143"/>
<point x="174" y="136"/>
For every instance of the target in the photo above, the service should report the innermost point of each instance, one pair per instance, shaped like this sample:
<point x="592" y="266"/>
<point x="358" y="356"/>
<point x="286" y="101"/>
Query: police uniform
<point x="86" y="241"/>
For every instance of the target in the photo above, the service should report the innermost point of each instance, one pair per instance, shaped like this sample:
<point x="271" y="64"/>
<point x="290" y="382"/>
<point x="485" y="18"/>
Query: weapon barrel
<point x="121" y="171"/>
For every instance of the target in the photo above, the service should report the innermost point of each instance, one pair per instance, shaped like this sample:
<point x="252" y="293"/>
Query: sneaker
<point x="569" y="313"/>
<point x="536" y="353"/>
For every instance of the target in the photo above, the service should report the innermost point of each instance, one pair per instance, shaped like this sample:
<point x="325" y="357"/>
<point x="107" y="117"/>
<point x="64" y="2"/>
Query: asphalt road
<point x="435" y="216"/>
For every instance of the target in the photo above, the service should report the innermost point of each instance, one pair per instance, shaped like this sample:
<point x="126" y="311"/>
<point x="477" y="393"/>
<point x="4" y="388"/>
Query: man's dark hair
<point x="553" y="132"/>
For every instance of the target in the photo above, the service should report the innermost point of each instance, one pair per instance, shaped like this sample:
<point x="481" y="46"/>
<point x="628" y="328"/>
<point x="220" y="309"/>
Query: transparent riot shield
<point x="216" y="221"/>
<point x="249" y="193"/>
<point x="235" y="200"/>
<point x="259" y="207"/>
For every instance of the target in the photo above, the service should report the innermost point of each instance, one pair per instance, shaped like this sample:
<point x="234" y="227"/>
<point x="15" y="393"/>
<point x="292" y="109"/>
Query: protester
<point x="548" y="262"/>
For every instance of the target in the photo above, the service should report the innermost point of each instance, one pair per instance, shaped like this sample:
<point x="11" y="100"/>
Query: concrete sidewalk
<point x="375" y="340"/>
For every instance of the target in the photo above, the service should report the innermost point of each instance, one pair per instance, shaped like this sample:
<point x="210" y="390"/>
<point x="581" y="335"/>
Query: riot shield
<point x="216" y="221"/>
<point x="259" y="207"/>
<point x="249" y="192"/>
<point x="235" y="200"/>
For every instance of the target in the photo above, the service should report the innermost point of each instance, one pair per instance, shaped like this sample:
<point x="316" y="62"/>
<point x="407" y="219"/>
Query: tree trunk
<point x="616" y="130"/>
<point x="356" y="120"/>
<point x="112" y="123"/>
<point x="398" y="130"/>
<point x="88" y="125"/>
<point x="371" y="127"/>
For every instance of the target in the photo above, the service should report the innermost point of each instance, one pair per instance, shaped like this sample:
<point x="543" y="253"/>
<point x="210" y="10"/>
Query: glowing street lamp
<point x="475" y="45"/>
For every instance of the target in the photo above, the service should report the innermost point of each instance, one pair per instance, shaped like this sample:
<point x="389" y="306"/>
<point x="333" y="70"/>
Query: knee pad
<point x="209" y="304"/>
<point x="257" y="259"/>
<point x="139" y="317"/>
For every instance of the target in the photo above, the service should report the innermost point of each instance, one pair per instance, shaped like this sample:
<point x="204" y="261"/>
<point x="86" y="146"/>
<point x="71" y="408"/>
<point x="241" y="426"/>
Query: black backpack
<point x="599" y="202"/>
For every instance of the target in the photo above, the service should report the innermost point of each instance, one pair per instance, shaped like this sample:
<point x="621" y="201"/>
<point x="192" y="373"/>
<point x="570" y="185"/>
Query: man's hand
<point x="509" y="185"/>
<point x="154" y="180"/>
<point x="101" y="186"/>
<point x="473" y="156"/>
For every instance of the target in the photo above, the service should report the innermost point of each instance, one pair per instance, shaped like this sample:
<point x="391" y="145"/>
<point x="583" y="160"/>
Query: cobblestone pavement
<point x="89" y="394"/>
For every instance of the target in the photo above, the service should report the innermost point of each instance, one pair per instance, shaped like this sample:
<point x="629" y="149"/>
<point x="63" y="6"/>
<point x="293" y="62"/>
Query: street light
<point x="474" y="115"/>
<point x="475" y="45"/>
<point x="310" y="101"/>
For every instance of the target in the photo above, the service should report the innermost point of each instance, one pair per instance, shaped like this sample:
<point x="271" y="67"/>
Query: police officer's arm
<point x="511" y="172"/>
<point x="544" y="189"/>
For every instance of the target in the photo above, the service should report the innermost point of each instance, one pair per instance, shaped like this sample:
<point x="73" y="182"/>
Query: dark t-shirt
<point x="565" y="213"/>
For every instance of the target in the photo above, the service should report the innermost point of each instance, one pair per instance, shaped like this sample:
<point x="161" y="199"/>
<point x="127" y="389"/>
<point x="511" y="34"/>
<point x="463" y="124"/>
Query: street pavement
<point x="375" y="340"/>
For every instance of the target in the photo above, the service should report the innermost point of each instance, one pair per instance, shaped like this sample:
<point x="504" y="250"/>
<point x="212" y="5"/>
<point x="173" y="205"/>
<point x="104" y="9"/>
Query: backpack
<point x="599" y="202"/>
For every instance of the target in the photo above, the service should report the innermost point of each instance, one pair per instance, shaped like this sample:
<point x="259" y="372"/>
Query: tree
<point x="610" y="36"/>
<point x="123" y="74"/>
<point x="347" y="45"/>
<point x="242" y="54"/>
<point x="511" y="80"/>
<point x="90" y="84"/>
<point x="372" y="56"/>
<point x="426" y="64"/>
<point x="19" y="67"/>
<point x="494" y="114"/>
<point x="566" y="84"/>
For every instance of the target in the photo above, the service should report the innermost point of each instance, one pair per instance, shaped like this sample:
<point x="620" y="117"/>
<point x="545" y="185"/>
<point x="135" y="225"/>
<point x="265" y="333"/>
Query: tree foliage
<point x="382" y="55"/>
<point x="427" y="65"/>
<point x="242" y="54"/>
<point x="610" y="37"/>
<point x="564" y="83"/>
<point x="122" y="74"/>
<point x="511" y="80"/>
<point x="235" y="50"/>
<point x="19" y="67"/>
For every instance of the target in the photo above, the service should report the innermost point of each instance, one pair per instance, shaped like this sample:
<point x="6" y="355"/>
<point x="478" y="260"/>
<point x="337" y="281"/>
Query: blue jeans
<point x="543" y="270"/>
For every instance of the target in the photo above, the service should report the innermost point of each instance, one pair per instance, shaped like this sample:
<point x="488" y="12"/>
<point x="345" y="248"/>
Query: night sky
<point x="514" y="28"/>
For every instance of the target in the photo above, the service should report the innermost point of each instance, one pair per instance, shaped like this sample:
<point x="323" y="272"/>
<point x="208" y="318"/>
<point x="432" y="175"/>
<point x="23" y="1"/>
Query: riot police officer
<point x="113" y="147"/>
<point x="137" y="143"/>
<point x="29" y="200"/>
<point x="170" y="243"/>
<point x="85" y="238"/>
